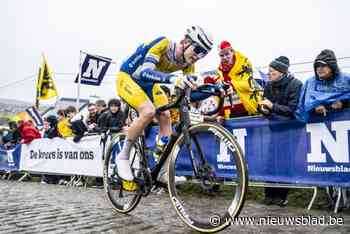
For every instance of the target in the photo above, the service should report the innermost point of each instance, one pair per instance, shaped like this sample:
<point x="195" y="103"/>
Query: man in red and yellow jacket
<point x="236" y="70"/>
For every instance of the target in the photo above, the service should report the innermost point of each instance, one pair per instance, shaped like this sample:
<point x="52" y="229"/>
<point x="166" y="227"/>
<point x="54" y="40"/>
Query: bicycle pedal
<point x="130" y="186"/>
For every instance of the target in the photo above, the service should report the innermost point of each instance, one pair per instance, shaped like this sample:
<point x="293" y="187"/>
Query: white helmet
<point x="200" y="37"/>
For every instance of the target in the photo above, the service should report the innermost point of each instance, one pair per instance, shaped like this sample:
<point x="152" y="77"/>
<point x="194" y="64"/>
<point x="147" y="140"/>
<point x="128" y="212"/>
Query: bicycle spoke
<point x="122" y="199"/>
<point x="217" y="186"/>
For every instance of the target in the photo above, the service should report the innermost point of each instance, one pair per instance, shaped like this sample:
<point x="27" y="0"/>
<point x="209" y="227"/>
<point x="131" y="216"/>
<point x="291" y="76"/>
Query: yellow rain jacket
<point x="64" y="128"/>
<point x="241" y="77"/>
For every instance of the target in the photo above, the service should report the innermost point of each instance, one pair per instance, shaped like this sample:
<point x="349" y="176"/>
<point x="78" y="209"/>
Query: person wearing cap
<point x="328" y="90"/>
<point x="281" y="93"/>
<point x="236" y="69"/>
<point x="281" y="96"/>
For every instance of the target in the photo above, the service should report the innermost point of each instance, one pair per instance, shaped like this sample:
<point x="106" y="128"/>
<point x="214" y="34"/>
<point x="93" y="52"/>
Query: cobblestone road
<point x="27" y="207"/>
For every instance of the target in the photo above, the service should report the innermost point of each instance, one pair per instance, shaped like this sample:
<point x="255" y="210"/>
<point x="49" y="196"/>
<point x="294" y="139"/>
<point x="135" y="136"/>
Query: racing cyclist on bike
<point x="139" y="78"/>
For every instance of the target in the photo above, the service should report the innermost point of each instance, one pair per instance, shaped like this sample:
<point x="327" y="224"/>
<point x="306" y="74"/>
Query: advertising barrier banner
<point x="285" y="151"/>
<point x="10" y="159"/>
<point x="63" y="156"/>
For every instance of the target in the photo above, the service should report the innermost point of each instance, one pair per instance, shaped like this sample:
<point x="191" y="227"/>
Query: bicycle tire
<point x="112" y="183"/>
<point x="203" y="220"/>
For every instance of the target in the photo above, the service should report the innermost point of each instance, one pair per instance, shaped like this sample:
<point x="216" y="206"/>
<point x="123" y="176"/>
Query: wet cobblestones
<point x="27" y="207"/>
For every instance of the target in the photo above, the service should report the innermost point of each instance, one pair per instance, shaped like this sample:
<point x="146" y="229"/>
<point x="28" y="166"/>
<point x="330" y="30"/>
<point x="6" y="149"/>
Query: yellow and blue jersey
<point x="159" y="52"/>
<point x="140" y="74"/>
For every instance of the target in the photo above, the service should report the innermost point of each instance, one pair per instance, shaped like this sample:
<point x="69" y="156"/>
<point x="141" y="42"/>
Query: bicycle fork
<point x="188" y="141"/>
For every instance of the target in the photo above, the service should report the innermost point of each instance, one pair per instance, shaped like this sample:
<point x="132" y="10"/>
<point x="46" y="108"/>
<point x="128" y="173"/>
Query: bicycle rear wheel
<point x="124" y="196"/>
<point x="214" y="193"/>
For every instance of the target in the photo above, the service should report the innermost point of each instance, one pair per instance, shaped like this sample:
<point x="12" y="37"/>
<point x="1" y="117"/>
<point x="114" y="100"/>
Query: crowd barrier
<point x="287" y="151"/>
<point x="277" y="150"/>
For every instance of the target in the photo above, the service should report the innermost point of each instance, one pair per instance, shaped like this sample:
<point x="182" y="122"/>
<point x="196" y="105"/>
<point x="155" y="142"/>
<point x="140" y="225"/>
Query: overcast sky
<point x="262" y="30"/>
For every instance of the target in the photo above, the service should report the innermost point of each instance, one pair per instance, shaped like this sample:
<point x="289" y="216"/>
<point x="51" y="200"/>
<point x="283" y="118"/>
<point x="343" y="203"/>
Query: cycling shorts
<point x="136" y="93"/>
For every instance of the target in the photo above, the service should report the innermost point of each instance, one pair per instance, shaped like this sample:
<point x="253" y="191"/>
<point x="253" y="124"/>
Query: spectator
<point x="12" y="136"/>
<point x="327" y="90"/>
<point x="28" y="132"/>
<point x="16" y="136"/>
<point x="101" y="107"/>
<point x="281" y="93"/>
<point x="46" y="127"/>
<point x="174" y="113"/>
<point x="64" y="130"/>
<point x="77" y="125"/>
<point x="91" y="120"/>
<point x="280" y="97"/>
<point x="50" y="127"/>
<point x="1" y="138"/>
<point x="7" y="139"/>
<point x="113" y="119"/>
<point x="50" y="131"/>
<point x="63" y="125"/>
<point x="236" y="70"/>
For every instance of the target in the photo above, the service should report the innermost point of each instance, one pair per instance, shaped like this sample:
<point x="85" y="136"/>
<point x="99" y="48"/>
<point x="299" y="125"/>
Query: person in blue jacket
<point x="328" y="90"/>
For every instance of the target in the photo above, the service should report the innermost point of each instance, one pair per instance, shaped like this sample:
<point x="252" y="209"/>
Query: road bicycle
<point x="205" y="156"/>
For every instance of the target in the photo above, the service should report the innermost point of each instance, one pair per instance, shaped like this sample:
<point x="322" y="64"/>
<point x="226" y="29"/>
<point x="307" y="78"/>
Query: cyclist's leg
<point x="135" y="96"/>
<point x="160" y="99"/>
<point x="164" y="120"/>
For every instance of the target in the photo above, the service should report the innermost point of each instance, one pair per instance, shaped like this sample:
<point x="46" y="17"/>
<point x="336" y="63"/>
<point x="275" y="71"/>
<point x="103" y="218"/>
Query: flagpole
<point x="37" y="90"/>
<point x="79" y="82"/>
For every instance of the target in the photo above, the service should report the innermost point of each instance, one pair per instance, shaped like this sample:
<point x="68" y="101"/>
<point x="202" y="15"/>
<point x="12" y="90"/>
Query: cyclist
<point x="138" y="83"/>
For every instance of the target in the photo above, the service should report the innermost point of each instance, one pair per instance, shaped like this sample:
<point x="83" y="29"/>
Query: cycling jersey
<point x="151" y="63"/>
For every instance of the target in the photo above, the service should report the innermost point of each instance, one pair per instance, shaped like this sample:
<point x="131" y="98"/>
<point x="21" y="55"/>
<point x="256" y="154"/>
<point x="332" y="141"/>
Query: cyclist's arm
<point x="148" y="72"/>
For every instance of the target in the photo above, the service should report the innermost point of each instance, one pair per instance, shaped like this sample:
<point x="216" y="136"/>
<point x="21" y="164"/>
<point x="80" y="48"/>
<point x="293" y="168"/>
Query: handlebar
<point x="209" y="89"/>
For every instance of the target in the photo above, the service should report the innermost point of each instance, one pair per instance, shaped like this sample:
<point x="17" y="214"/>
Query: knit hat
<point x="280" y="64"/>
<point x="327" y="57"/>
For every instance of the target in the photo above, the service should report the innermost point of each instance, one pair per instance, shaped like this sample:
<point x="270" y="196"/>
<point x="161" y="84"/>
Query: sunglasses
<point x="199" y="50"/>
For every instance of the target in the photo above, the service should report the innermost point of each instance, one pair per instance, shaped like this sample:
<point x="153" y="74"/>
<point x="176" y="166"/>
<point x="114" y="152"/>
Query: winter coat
<point x="284" y="94"/>
<point x="112" y="121"/>
<point x="64" y="128"/>
<point x="28" y="132"/>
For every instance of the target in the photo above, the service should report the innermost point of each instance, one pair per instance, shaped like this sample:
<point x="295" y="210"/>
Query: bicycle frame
<point x="183" y="127"/>
<point x="183" y="102"/>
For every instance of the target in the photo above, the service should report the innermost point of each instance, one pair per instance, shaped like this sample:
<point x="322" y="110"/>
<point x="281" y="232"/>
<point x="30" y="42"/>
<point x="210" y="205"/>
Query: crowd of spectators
<point x="283" y="95"/>
<point x="65" y="124"/>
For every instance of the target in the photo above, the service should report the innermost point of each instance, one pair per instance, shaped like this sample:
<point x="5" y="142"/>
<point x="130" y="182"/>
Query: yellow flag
<point x="46" y="88"/>
<point x="21" y="116"/>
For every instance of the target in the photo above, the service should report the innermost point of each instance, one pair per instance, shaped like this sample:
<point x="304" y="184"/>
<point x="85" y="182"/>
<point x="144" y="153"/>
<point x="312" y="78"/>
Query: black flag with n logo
<point x="93" y="69"/>
<point x="35" y="115"/>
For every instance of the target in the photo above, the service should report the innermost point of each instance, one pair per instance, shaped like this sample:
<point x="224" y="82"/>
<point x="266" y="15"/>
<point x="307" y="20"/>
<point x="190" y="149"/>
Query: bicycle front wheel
<point x="124" y="196"/>
<point x="216" y="178"/>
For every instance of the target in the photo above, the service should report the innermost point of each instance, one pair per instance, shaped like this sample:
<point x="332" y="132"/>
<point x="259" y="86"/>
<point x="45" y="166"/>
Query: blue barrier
<point x="287" y="151"/>
<point x="10" y="159"/>
<point x="276" y="150"/>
